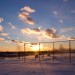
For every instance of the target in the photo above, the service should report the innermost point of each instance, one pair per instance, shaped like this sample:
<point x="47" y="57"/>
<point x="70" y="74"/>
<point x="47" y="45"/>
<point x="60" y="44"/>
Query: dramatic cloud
<point x="30" y="31"/>
<point x="73" y="38"/>
<point x="12" y="26"/>
<point x="26" y="18"/>
<point x="37" y="30"/>
<point x="1" y="28"/>
<point x="51" y="33"/>
<point x="25" y="15"/>
<point x="28" y="9"/>
<point x="1" y="19"/>
<point x="19" y="43"/>
<point x="48" y="33"/>
<point x="70" y="38"/>
<point x="1" y="39"/>
<point x="67" y="29"/>
<point x="16" y="42"/>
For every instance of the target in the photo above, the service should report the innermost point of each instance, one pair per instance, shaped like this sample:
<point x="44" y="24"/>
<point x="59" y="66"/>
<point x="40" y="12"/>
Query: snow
<point x="32" y="66"/>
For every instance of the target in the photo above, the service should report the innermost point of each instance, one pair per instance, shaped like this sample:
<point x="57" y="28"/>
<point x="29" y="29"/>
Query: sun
<point x="36" y="47"/>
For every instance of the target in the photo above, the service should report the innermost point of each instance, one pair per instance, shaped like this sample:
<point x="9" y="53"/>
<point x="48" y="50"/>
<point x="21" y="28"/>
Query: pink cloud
<point x="26" y="18"/>
<point x="67" y="29"/>
<point x="50" y="33"/>
<point x="4" y="34"/>
<point x="1" y="28"/>
<point x="30" y="31"/>
<point x="1" y="39"/>
<point x="1" y="19"/>
<point x="28" y="9"/>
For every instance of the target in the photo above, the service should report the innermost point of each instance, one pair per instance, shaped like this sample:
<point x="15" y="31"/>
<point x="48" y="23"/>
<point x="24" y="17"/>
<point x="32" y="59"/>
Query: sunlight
<point x="36" y="47"/>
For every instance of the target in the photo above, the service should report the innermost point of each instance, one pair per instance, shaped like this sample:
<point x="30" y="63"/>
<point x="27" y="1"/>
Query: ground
<point x="32" y="66"/>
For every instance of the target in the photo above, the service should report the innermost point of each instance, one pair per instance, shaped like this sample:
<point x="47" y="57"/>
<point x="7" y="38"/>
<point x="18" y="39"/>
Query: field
<point x="32" y="66"/>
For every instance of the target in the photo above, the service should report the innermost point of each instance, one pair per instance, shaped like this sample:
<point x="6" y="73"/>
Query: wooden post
<point x="70" y="51"/>
<point x="39" y="51"/>
<point x="24" y="51"/>
<point x="18" y="51"/>
<point x="53" y="51"/>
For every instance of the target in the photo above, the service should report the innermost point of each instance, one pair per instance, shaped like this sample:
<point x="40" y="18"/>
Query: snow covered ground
<point x="32" y="66"/>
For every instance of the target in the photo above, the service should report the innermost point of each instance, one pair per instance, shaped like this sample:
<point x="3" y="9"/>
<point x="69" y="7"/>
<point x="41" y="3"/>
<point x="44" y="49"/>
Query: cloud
<point x="26" y="18"/>
<point x="55" y="12"/>
<point x="50" y="33"/>
<point x="1" y="39"/>
<point x="1" y="19"/>
<point x="25" y="15"/>
<point x="31" y="31"/>
<point x="17" y="38"/>
<point x="4" y="34"/>
<point x="12" y="26"/>
<point x="28" y="9"/>
<point x="73" y="11"/>
<point x="37" y="30"/>
<point x="42" y="34"/>
<point x="61" y="21"/>
<point x="8" y="41"/>
<point x="1" y="28"/>
<point x="67" y="29"/>
<point x="8" y="37"/>
<point x="71" y="38"/>
<point x="17" y="42"/>
<point x="65" y="0"/>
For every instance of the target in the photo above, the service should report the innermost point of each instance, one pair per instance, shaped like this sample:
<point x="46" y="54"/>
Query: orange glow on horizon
<point x="36" y="47"/>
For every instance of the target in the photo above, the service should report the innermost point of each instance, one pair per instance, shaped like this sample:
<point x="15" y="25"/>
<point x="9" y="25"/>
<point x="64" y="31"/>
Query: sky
<point x="37" y="20"/>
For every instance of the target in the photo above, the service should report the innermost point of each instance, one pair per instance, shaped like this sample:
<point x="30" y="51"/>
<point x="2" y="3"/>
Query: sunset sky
<point x="37" y="20"/>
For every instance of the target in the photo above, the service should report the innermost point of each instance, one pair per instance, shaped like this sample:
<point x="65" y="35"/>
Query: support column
<point x="70" y="51"/>
<point x="24" y="52"/>
<point x="39" y="51"/>
<point x="53" y="51"/>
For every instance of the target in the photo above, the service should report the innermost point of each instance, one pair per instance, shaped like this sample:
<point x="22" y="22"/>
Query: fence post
<point x="18" y="51"/>
<point x="70" y="51"/>
<point x="53" y="51"/>
<point x="39" y="51"/>
<point x="24" y="51"/>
